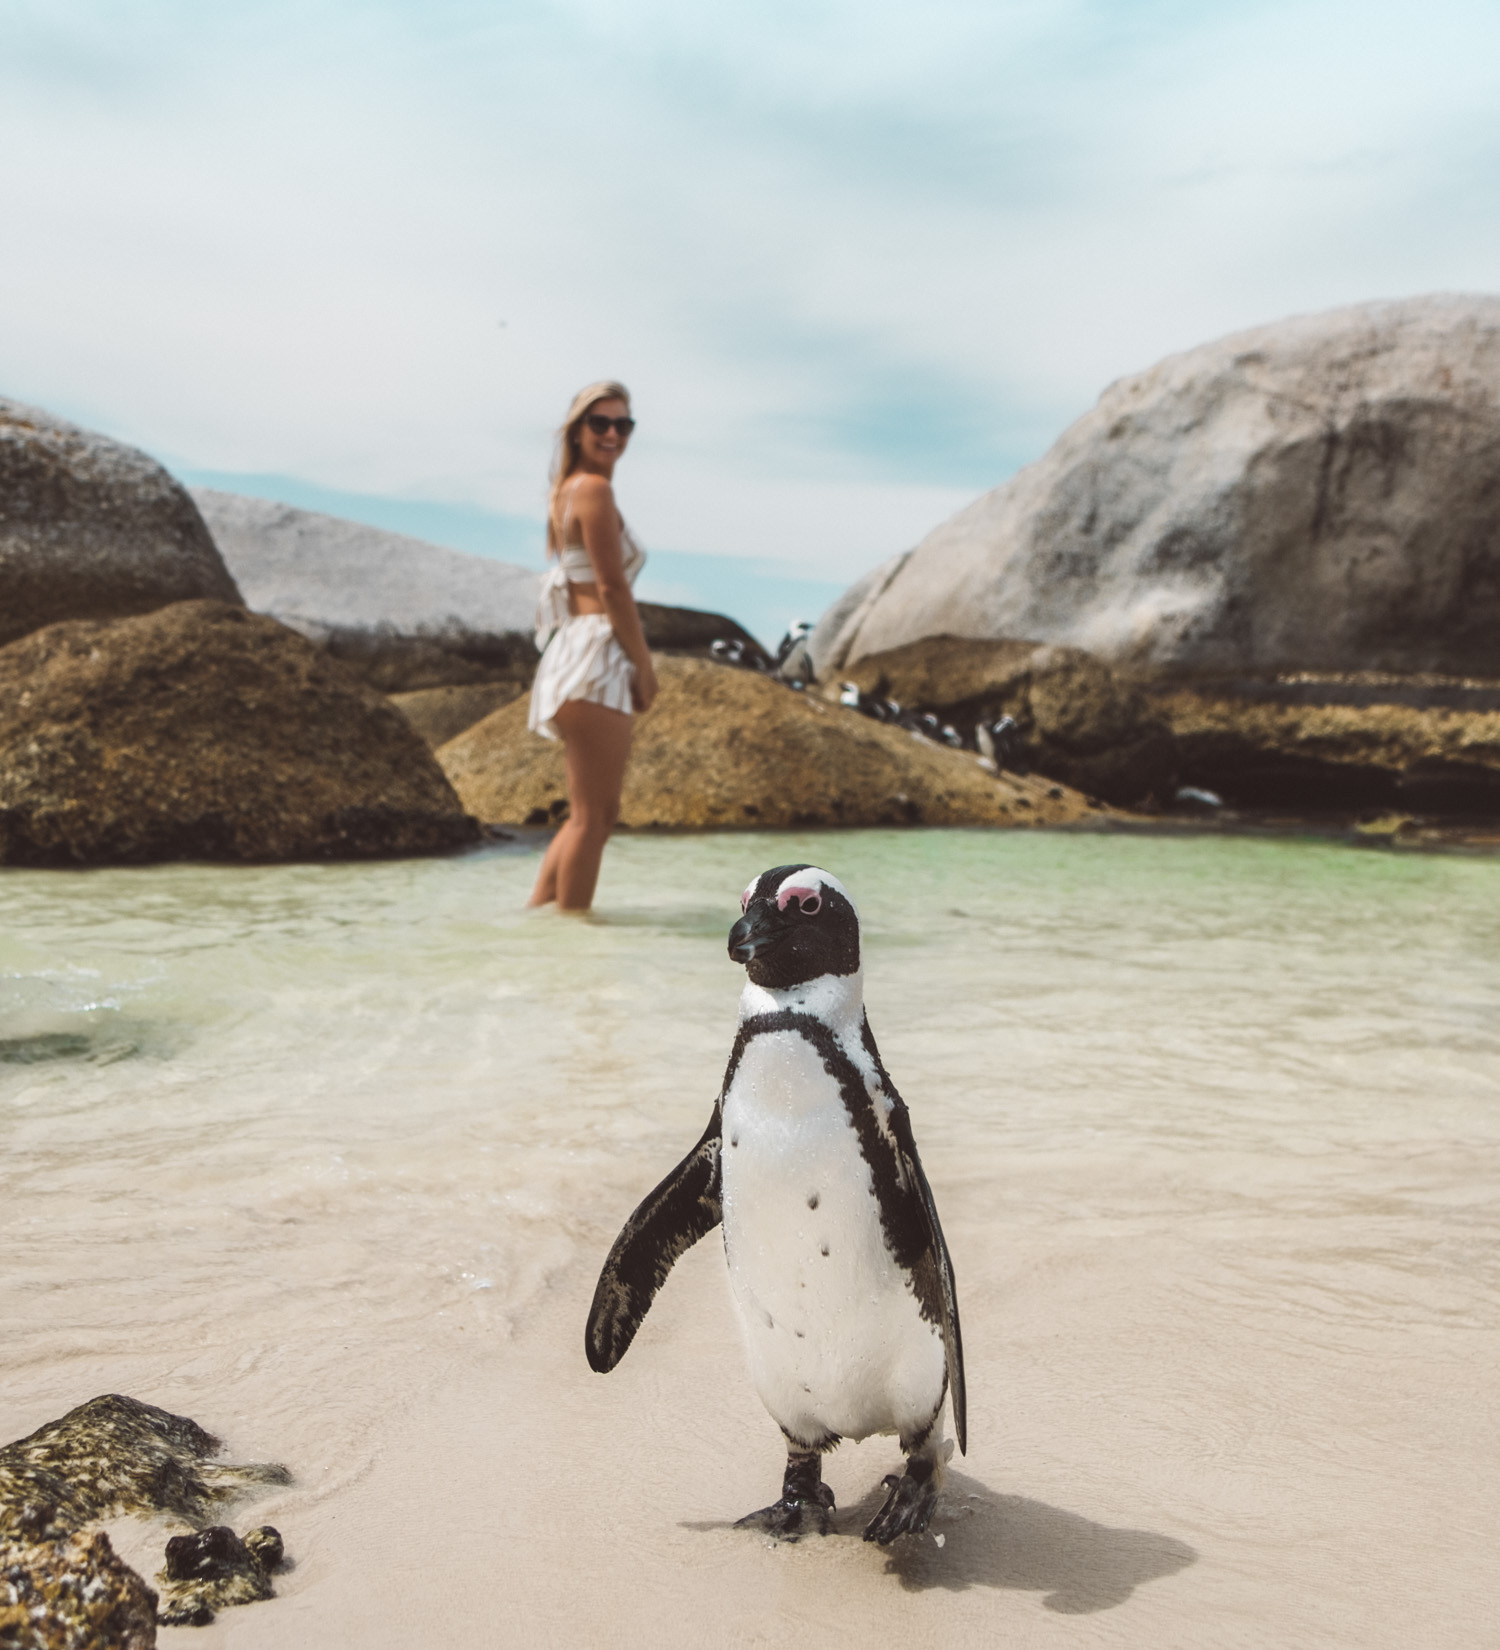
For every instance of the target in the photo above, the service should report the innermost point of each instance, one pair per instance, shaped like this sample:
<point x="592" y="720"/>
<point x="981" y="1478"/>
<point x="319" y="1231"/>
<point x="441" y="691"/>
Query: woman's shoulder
<point x="590" y="489"/>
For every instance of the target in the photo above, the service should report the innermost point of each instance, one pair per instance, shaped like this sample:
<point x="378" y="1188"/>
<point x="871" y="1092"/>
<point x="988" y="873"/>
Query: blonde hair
<point x="565" y="458"/>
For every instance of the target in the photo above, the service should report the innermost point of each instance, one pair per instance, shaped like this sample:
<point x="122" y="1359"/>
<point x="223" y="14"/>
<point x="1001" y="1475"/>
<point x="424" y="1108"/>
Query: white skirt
<point x="584" y="660"/>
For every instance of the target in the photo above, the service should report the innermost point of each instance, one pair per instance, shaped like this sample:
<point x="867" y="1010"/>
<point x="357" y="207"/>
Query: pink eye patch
<point x="811" y="900"/>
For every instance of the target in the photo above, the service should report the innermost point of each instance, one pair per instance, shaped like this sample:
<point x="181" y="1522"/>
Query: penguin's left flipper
<point x="935" y="1286"/>
<point x="685" y="1207"/>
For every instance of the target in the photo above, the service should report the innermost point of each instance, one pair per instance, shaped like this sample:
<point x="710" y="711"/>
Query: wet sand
<point x="1214" y="1130"/>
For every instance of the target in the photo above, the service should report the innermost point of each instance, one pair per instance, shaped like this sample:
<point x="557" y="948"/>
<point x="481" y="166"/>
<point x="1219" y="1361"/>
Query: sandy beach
<point x="1212" y="1125"/>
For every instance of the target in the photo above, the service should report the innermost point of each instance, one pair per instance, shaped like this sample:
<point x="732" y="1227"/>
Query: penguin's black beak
<point x="759" y="929"/>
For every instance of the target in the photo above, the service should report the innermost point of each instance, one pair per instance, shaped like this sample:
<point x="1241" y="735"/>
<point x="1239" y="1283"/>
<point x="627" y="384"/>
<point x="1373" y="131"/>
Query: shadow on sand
<point x="992" y="1540"/>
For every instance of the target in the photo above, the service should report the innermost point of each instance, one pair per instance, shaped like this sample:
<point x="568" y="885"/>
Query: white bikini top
<point x="575" y="563"/>
<point x="573" y="566"/>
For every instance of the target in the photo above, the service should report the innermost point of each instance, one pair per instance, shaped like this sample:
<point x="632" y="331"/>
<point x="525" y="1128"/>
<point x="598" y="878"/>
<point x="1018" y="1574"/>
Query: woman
<point x="595" y="670"/>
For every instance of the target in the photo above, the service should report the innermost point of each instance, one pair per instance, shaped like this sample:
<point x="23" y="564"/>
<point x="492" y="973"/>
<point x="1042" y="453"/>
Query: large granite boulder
<point x="724" y="748"/>
<point x="202" y="731"/>
<point x="404" y="613"/>
<point x="1322" y="494"/>
<point x="407" y="615"/>
<point x="1077" y="719"/>
<point x="92" y="529"/>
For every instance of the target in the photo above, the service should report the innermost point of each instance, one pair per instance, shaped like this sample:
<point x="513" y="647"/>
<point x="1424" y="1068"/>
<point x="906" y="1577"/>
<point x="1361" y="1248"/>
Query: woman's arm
<point x="599" y="520"/>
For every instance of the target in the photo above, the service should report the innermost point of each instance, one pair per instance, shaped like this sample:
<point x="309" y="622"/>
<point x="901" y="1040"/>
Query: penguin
<point x="838" y="1269"/>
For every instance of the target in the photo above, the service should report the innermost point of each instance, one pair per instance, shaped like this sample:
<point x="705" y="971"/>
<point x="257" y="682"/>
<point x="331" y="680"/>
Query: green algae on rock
<point x="211" y="1569"/>
<point x="71" y="1593"/>
<point x="110" y="1456"/>
<point x="201" y="731"/>
<point x="117" y="1455"/>
<point x="732" y="749"/>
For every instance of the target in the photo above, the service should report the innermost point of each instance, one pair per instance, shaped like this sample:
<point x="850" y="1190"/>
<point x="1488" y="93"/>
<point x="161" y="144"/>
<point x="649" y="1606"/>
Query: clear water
<point x="265" y="1131"/>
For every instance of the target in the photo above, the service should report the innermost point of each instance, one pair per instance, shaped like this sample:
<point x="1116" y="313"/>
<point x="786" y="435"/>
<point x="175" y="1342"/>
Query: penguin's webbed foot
<point x="805" y="1504"/>
<point x="793" y="1517"/>
<point x="908" y="1506"/>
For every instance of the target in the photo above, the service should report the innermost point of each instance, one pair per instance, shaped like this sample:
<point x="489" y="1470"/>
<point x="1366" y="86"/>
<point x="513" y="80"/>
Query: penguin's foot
<point x="805" y="1504"/>
<point x="908" y="1505"/>
<point x="791" y="1519"/>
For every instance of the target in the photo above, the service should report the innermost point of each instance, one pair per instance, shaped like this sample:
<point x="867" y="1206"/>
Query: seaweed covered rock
<point x="1077" y="719"/>
<point x="1351" y="742"/>
<point x="1321" y="494"/>
<point x="72" y="1592"/>
<point x="63" y="1587"/>
<point x="202" y="731"/>
<point x="92" y="529"/>
<point x="210" y="1570"/>
<point x="116" y="1455"/>
<point x="724" y="748"/>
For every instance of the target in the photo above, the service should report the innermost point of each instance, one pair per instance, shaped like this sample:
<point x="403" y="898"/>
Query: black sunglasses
<point x="601" y="425"/>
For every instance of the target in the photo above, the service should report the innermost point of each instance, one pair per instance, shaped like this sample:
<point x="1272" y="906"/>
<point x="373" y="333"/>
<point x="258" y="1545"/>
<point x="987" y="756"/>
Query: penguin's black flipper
<point x="685" y="1207"/>
<point x="941" y="1285"/>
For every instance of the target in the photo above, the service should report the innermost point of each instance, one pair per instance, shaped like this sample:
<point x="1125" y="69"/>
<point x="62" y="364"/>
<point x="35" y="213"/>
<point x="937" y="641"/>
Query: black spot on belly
<point x="800" y="1335"/>
<point x="824" y="1249"/>
<point x="812" y="1201"/>
<point x="734" y="1140"/>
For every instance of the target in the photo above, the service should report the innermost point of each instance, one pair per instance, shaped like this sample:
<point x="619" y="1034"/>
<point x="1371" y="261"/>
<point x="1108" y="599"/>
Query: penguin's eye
<point x="809" y="900"/>
<point x="811" y="905"/>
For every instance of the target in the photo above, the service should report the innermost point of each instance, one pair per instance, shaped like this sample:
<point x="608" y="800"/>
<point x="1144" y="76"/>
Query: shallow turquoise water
<point x="263" y="1130"/>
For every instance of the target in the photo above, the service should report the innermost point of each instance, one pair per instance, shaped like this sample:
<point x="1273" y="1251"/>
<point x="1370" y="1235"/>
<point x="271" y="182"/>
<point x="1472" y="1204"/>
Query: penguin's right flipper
<point x="685" y="1207"/>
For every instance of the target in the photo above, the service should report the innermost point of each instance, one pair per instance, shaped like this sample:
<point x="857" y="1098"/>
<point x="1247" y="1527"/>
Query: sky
<point x="857" y="262"/>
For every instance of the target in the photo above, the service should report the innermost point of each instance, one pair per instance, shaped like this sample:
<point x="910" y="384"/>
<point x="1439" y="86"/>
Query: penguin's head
<point x="798" y="924"/>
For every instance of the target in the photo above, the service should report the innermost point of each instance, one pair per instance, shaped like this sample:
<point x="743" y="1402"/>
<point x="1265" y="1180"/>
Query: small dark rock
<point x="212" y="1569"/>
<point x="205" y="1555"/>
<point x="265" y="1545"/>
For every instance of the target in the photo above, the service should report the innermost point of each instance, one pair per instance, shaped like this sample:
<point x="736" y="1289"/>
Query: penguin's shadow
<point x="992" y="1540"/>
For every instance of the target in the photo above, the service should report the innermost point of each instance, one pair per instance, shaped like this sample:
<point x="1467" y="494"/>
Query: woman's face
<point x="601" y="451"/>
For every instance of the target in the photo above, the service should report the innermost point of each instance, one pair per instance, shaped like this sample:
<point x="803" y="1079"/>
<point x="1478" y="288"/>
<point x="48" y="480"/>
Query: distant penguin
<point x="837" y="1264"/>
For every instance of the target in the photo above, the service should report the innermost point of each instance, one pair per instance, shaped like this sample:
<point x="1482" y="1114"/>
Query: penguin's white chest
<point x="834" y="1333"/>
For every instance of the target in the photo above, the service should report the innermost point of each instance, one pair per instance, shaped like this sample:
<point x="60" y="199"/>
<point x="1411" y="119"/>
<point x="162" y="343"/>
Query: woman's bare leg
<point x="596" y="745"/>
<point x="546" y="881"/>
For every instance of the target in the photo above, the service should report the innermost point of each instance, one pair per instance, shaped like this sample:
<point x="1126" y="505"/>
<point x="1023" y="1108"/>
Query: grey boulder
<point x="406" y="614"/>
<point x="1319" y="494"/>
<point x="92" y="529"/>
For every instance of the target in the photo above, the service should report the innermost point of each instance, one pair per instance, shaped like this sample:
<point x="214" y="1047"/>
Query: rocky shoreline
<point x="62" y="1586"/>
<point x="733" y="749"/>
<point x="1260" y="580"/>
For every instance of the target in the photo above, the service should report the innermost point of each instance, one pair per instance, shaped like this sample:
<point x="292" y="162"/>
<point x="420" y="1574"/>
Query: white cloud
<point x="854" y="261"/>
